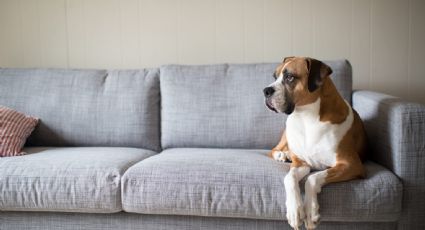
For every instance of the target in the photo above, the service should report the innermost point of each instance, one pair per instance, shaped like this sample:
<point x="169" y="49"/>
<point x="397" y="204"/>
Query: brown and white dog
<point x="322" y="133"/>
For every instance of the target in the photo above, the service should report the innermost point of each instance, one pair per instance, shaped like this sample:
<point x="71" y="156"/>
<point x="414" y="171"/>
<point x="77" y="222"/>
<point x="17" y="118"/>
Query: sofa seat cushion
<point x="247" y="184"/>
<point x="66" y="179"/>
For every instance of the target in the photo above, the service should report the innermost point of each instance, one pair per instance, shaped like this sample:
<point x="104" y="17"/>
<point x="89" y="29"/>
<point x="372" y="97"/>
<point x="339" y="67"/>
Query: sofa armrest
<point x="396" y="134"/>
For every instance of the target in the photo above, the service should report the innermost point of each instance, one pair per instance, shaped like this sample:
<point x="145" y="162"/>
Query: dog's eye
<point x="290" y="78"/>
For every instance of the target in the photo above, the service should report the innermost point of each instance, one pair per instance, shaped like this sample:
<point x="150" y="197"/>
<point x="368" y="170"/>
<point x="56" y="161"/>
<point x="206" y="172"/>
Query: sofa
<point x="185" y="147"/>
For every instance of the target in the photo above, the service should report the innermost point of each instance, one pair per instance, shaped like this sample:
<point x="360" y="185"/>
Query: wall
<point x="383" y="39"/>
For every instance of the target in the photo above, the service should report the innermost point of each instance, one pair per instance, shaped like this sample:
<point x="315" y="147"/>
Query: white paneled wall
<point x="383" y="39"/>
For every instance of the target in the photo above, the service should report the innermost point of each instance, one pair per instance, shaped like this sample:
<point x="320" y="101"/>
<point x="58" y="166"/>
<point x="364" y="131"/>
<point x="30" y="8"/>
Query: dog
<point x="323" y="132"/>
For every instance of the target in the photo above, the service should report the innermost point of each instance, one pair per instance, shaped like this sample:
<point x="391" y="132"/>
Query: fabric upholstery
<point x="66" y="179"/>
<point x="15" y="128"/>
<point x="223" y="106"/>
<point x="247" y="184"/>
<point x="396" y="131"/>
<point x="130" y="221"/>
<point x="117" y="108"/>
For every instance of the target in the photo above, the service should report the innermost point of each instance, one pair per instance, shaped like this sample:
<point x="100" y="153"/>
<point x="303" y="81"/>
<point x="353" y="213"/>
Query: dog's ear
<point x="317" y="71"/>
<point x="287" y="59"/>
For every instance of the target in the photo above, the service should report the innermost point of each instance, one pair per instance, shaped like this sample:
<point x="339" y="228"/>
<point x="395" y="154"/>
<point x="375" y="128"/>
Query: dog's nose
<point x="268" y="91"/>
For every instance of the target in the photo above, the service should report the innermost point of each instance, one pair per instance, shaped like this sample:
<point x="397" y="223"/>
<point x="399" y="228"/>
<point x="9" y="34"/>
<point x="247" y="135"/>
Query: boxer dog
<point x="323" y="133"/>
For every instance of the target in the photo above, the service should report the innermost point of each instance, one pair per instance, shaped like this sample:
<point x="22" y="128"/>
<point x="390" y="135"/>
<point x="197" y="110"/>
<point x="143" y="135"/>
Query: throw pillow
<point x="15" y="128"/>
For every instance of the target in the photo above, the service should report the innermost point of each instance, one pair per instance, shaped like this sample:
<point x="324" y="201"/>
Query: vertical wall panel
<point x="11" y="53"/>
<point x="360" y="43"/>
<point x="229" y="31"/>
<point x="129" y="36"/>
<point x="302" y="28"/>
<point x="196" y="32"/>
<point x="102" y="33"/>
<point x="53" y="37"/>
<point x="417" y="51"/>
<point x="76" y="33"/>
<point x="254" y="31"/>
<point x="390" y="31"/>
<point x="277" y="30"/>
<point x="158" y="32"/>
<point x="31" y="41"/>
<point x="375" y="35"/>
<point x="332" y="28"/>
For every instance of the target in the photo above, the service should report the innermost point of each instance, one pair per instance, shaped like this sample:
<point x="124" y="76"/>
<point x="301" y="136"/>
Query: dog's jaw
<point x="270" y="106"/>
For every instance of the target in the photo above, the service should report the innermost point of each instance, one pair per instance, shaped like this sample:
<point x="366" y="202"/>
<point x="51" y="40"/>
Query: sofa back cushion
<point x="222" y="106"/>
<point x="86" y="107"/>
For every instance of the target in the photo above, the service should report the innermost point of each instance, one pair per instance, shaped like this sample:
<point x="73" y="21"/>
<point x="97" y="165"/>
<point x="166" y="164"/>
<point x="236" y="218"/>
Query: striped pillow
<point x="15" y="128"/>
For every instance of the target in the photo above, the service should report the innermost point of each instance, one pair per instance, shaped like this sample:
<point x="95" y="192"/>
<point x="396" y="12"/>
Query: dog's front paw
<point x="295" y="214"/>
<point x="312" y="218"/>
<point x="280" y="156"/>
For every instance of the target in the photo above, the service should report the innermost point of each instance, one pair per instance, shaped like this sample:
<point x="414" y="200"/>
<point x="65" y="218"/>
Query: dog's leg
<point x="294" y="206"/>
<point x="281" y="152"/>
<point x="313" y="186"/>
<point x="340" y="172"/>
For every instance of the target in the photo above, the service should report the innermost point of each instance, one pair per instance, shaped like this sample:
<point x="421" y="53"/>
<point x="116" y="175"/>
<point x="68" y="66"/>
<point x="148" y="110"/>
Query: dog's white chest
<point x="314" y="141"/>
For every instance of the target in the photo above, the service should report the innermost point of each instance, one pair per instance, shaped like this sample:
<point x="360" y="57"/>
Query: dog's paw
<point x="295" y="214"/>
<point x="312" y="217"/>
<point x="279" y="155"/>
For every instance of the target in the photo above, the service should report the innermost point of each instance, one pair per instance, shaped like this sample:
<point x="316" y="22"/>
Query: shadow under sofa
<point x="184" y="147"/>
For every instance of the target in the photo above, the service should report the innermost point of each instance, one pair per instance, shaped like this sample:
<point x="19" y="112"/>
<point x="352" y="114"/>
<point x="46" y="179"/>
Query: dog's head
<point x="298" y="82"/>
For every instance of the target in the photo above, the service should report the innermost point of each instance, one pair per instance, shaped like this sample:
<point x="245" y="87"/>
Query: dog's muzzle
<point x="268" y="93"/>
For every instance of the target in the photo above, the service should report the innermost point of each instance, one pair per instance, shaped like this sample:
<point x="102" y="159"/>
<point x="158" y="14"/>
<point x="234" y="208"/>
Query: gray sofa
<point x="184" y="147"/>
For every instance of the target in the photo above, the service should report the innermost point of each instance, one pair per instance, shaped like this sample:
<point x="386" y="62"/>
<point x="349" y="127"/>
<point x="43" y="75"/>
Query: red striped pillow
<point x="15" y="128"/>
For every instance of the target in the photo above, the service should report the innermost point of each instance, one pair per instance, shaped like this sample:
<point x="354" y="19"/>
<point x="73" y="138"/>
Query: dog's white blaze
<point x="294" y="205"/>
<point x="277" y="82"/>
<point x="313" y="186"/>
<point x="313" y="141"/>
<point x="278" y="97"/>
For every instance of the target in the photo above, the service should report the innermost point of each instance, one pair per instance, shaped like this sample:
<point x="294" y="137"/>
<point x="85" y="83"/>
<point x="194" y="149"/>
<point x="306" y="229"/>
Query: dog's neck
<point x="333" y="107"/>
<point x="309" y="109"/>
<point x="329" y="105"/>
